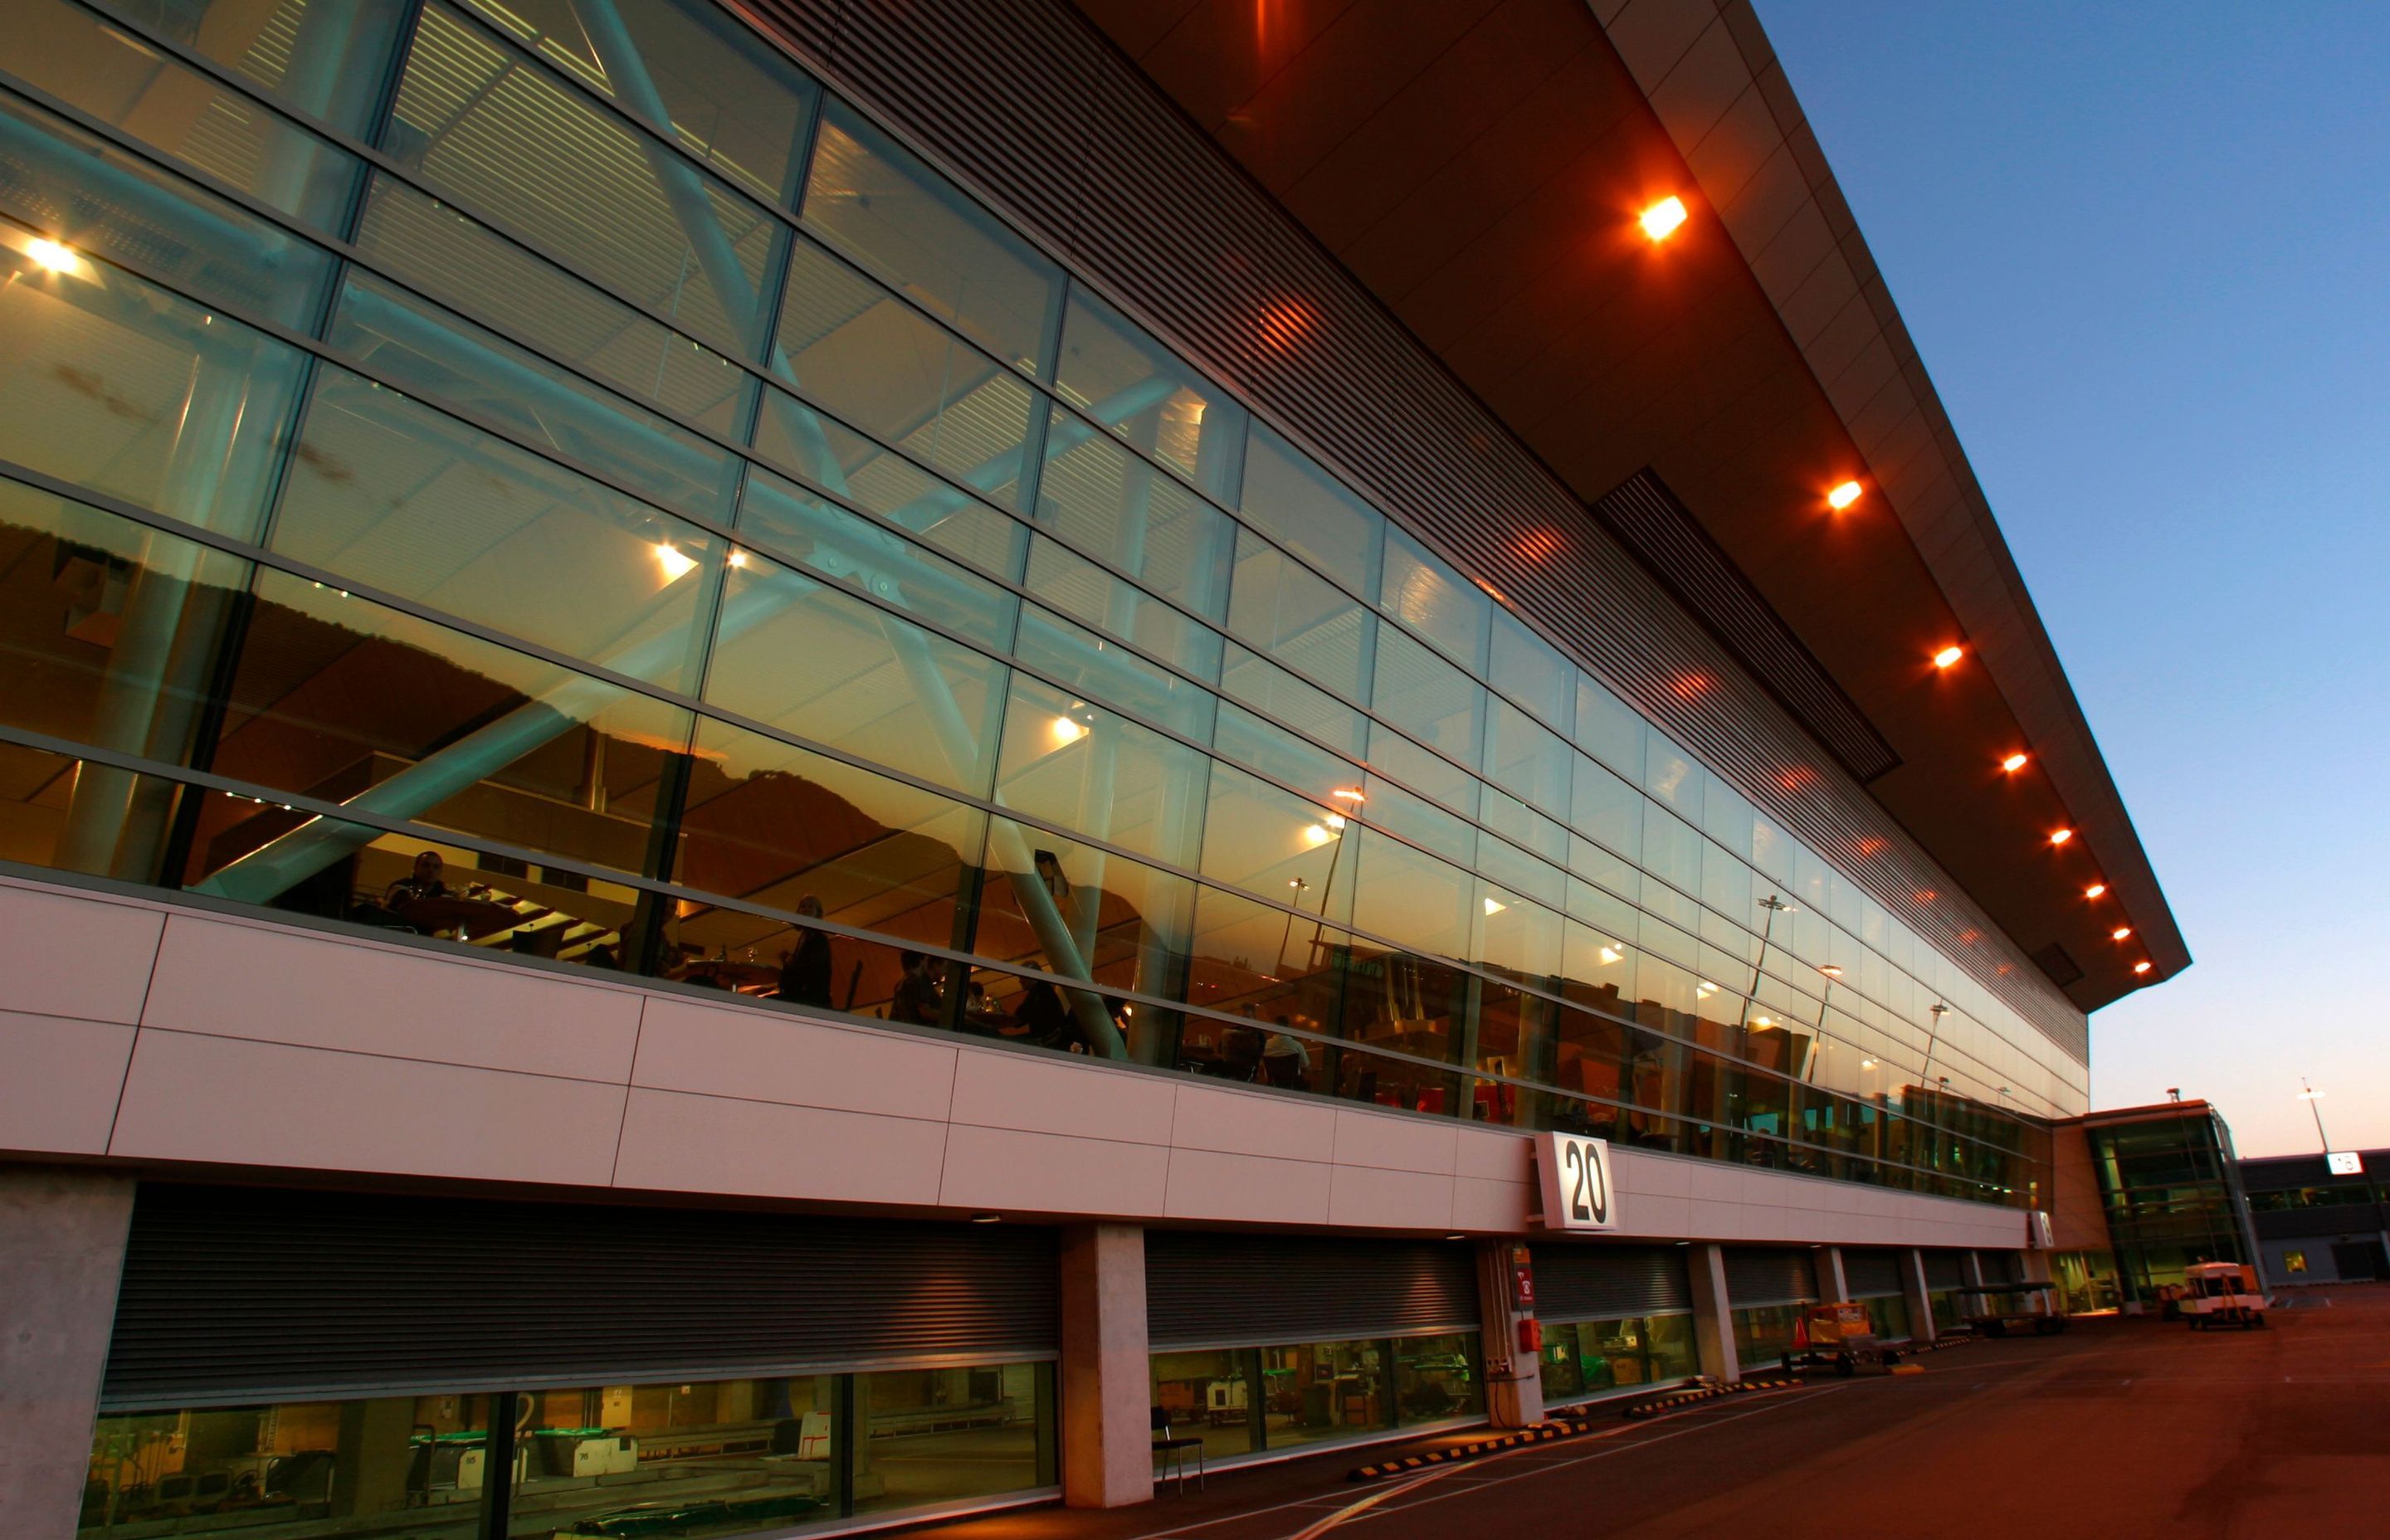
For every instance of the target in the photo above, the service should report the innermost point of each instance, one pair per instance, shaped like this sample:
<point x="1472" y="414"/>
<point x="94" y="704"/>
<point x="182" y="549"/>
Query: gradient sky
<point x="2145" y="252"/>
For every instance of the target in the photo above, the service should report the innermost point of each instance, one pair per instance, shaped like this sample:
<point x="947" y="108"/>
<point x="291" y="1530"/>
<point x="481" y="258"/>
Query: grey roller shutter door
<point x="1770" y="1274"/>
<point x="1871" y="1275"/>
<point x="1942" y="1270"/>
<point x="2000" y="1266"/>
<point x="1208" y="1290"/>
<point x="234" y="1295"/>
<point x="1601" y="1283"/>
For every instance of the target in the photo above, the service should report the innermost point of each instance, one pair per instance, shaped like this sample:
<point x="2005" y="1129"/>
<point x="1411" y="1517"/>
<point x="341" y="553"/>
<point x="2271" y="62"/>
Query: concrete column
<point x="2035" y="1266"/>
<point x="1970" y="1268"/>
<point x="1514" y="1380"/>
<point x="1107" y="1384"/>
<point x="62" y="1233"/>
<point x="1912" y="1288"/>
<point x="1713" y="1317"/>
<point x="1831" y="1281"/>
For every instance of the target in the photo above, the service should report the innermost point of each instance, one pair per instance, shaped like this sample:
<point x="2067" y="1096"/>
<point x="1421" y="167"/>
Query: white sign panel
<point x="2037" y="1230"/>
<point x="2345" y="1162"/>
<point x="1576" y="1176"/>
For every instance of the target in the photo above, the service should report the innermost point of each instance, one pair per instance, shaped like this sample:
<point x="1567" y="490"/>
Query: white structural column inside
<point x="1832" y="1280"/>
<point x="1713" y="1315"/>
<point x="62" y="1235"/>
<point x="1514" y="1377"/>
<point x="1107" y="1440"/>
<point x="1912" y="1290"/>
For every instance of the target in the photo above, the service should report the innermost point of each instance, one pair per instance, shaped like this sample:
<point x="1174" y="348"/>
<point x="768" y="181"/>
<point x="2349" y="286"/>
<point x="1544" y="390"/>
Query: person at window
<point x="918" y="1002"/>
<point x="804" y="968"/>
<point x="1044" y="1019"/>
<point x="1285" y="1059"/>
<point x="425" y="880"/>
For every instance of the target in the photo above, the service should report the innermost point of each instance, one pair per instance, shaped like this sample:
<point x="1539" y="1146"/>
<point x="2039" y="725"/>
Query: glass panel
<point x="1284" y="608"/>
<point x="1763" y="1334"/>
<point x="1092" y="595"/>
<point x="84" y="62"/>
<point x="1317" y="1391"/>
<point x="1528" y="759"/>
<point x="1434" y="601"/>
<point x="310" y="1469"/>
<point x="301" y="52"/>
<point x="57" y="177"/>
<point x="1436" y="1378"/>
<point x="899" y="218"/>
<point x="900" y="377"/>
<point x="1608" y="729"/>
<point x="412" y="501"/>
<point x="947" y="1435"/>
<point x="782" y="519"/>
<point x="1051" y="902"/>
<point x="479" y="273"/>
<point x="1104" y="500"/>
<point x="469" y="370"/>
<point x="113" y="384"/>
<point x="730" y="101"/>
<point x="1428" y="699"/>
<point x="1127" y="382"/>
<point x="873" y="685"/>
<point x="1530" y="670"/>
<point x="869" y="476"/>
<point x="1275" y="843"/>
<point x="1304" y="508"/>
<point x="1283" y="697"/>
<point x="514" y="145"/>
<point x="1068" y="763"/>
<point x="736" y="1455"/>
<point x="1205" y="1395"/>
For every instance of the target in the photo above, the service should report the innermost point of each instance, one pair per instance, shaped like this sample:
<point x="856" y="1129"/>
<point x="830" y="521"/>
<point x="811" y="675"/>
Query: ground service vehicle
<point x="1840" y="1336"/>
<point x="2222" y="1293"/>
<point x="1998" y="1309"/>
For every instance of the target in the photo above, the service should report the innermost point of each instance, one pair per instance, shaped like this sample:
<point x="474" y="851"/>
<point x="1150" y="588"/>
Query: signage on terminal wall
<point x="1575" y="1176"/>
<point x="2037" y="1230"/>
<point x="2343" y="1163"/>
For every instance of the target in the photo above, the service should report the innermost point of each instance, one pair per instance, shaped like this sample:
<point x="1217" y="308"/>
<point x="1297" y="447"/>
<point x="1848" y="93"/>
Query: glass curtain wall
<point x="712" y="1457"/>
<point x="2171" y="1196"/>
<point x="1253" y="1400"/>
<point x="554" y="479"/>
<point x="1585" y="1360"/>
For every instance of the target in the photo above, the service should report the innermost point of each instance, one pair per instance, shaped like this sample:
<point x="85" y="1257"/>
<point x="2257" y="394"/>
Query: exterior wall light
<point x="1660" y="219"/>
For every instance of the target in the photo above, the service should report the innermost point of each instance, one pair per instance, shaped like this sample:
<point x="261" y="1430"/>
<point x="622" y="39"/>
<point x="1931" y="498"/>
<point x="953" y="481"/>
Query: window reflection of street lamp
<point x="1939" y="1010"/>
<point x="1300" y="887"/>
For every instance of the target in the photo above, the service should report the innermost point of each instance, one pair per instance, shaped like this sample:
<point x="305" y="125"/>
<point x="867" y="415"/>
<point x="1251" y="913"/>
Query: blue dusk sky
<point x="2145" y="252"/>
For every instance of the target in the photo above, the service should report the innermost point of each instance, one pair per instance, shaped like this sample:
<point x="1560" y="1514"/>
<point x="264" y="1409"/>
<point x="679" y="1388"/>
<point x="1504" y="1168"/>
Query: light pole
<point x="1300" y="887"/>
<point x="2309" y="1094"/>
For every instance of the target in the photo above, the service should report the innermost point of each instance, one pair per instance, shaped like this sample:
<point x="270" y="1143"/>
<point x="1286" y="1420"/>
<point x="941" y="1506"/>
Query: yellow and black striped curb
<point x="1708" y="1393"/>
<point x="1542" y="1432"/>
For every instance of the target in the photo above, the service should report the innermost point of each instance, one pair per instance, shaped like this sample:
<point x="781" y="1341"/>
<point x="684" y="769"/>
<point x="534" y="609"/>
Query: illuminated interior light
<point x="1660" y="219"/>
<point x="2013" y="764"/>
<point x="1763" y="1021"/>
<point x="2120" y="932"/>
<point x="676" y="564"/>
<point x="738" y="556"/>
<point x="1494" y="906"/>
<point x="1610" y="955"/>
<point x="1866" y="1063"/>
<point x="2059" y="835"/>
<point x="2140" y="967"/>
<point x="1832" y="970"/>
<point x="1066" y="731"/>
<point x="1315" y="835"/>
<point x="2095" y="889"/>
<point x="1705" y="989"/>
<point x="1335" y="820"/>
<point x="1843" y="496"/>
<point x="987" y="1219"/>
<point x="1948" y="656"/>
<point x="53" y="256"/>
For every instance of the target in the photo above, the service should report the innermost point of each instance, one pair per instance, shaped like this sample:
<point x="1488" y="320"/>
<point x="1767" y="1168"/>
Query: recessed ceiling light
<point x="1494" y="906"/>
<point x="1948" y="656"/>
<point x="675" y="563"/>
<point x="2120" y="932"/>
<point x="987" y="1219"/>
<point x="2095" y="889"/>
<point x="1660" y="221"/>
<point x="2140" y="967"/>
<point x="2059" y="835"/>
<point x="62" y="259"/>
<point x="1843" y="496"/>
<point x="2013" y="764"/>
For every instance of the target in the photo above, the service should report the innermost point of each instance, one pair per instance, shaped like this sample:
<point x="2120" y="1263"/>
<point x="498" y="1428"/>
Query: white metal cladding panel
<point x="235" y="1295"/>
<point x="1027" y="99"/>
<point x="1769" y="1275"/>
<point x="1596" y="1282"/>
<point x="1206" y="1288"/>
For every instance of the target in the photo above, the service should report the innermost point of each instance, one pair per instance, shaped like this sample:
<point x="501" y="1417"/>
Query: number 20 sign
<point x="1576" y="1176"/>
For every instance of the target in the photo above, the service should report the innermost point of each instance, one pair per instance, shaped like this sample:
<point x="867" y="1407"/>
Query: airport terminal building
<point x="691" y="686"/>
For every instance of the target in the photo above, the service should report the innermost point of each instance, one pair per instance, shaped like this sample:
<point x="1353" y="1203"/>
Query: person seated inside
<point x="918" y="1002"/>
<point x="805" y="967"/>
<point x="425" y="880"/>
<point x="1285" y="1059"/>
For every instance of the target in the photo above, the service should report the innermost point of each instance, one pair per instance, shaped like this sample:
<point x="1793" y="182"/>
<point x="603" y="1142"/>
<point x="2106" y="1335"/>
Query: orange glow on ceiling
<point x="1286" y="324"/>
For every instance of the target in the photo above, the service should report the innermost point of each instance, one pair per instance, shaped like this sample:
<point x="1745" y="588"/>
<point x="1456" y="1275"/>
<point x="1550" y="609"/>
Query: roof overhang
<point x="1478" y="168"/>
